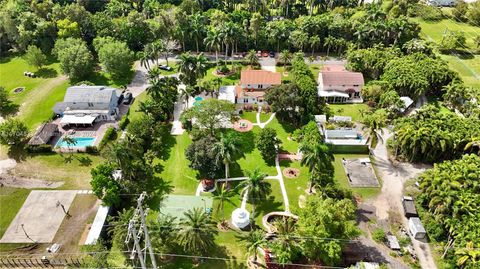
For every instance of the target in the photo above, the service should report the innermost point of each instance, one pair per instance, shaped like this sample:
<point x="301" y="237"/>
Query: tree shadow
<point x="84" y="161"/>
<point x="268" y="205"/>
<point x="17" y="152"/>
<point x="465" y="55"/>
<point x="168" y="142"/>
<point x="288" y="127"/>
<point x="359" y="252"/>
<point x="246" y="140"/>
<point x="46" y="72"/>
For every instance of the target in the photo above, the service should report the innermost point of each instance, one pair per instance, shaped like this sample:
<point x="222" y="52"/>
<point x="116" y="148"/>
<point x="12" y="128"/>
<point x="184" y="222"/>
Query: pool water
<point x="198" y="100"/>
<point x="81" y="142"/>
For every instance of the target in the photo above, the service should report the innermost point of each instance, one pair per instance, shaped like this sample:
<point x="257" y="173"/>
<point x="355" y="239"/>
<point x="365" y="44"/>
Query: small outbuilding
<point x="416" y="228"/>
<point x="409" y="207"/>
<point x="43" y="135"/>
<point x="393" y="242"/>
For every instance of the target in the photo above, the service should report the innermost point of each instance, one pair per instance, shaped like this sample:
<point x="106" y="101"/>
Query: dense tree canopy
<point x="75" y="59"/>
<point x="114" y="56"/>
<point x="431" y="135"/>
<point x="450" y="202"/>
<point x="13" y="132"/>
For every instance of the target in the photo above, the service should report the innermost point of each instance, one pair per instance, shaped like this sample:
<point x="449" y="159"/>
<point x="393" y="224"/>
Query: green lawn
<point x="315" y="68"/>
<point x="250" y="116"/>
<point x="176" y="169"/>
<point x="435" y="30"/>
<point x="133" y="111"/>
<point x="468" y="66"/>
<point x="341" y="177"/>
<point x="11" y="76"/>
<point x="55" y="167"/>
<point x="228" y="80"/>
<point x="351" y="110"/>
<point x="295" y="186"/>
<point x="11" y="200"/>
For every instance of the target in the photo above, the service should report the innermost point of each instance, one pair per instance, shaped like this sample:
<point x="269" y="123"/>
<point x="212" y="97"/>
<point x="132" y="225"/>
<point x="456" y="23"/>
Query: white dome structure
<point x="240" y="218"/>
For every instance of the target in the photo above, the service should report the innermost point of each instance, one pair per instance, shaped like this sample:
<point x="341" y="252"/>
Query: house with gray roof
<point x="85" y="105"/>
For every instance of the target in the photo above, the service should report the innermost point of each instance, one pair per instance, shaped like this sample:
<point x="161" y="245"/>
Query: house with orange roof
<point x="338" y="85"/>
<point x="252" y="86"/>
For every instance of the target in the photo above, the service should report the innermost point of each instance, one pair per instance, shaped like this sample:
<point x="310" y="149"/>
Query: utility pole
<point x="140" y="252"/>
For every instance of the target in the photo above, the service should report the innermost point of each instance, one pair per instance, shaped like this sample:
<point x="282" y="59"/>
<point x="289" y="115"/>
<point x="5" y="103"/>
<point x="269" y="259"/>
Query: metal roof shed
<point x="416" y="228"/>
<point x="409" y="207"/>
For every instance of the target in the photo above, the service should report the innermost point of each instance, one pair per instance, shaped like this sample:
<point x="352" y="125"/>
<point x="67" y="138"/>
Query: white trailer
<point x="416" y="228"/>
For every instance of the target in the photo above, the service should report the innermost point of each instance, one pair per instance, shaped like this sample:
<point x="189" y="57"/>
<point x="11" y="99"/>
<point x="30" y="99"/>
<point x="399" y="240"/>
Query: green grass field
<point x="468" y="65"/>
<point x="351" y="110"/>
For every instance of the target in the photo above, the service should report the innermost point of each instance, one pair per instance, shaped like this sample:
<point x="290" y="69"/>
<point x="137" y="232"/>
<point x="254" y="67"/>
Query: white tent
<point x="73" y="119"/>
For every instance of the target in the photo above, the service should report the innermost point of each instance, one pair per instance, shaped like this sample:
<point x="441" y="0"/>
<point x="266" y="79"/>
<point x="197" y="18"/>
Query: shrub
<point x="223" y="69"/>
<point x="124" y="122"/>
<point x="379" y="235"/>
<point x="91" y="149"/>
<point x="428" y="13"/>
<point x="110" y="134"/>
<point x="39" y="148"/>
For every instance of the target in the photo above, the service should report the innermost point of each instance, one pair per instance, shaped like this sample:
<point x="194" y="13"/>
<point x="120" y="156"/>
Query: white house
<point x="84" y="105"/>
<point x="338" y="85"/>
<point x="253" y="84"/>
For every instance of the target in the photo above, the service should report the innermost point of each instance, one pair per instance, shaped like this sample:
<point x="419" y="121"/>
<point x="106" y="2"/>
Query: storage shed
<point x="416" y="228"/>
<point x="409" y="207"/>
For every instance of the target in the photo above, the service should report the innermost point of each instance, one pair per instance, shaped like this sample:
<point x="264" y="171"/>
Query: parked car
<point x="165" y="67"/>
<point x="272" y="54"/>
<point x="120" y="99"/>
<point x="128" y="98"/>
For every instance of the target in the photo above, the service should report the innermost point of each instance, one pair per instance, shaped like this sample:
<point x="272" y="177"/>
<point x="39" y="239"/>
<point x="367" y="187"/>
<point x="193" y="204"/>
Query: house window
<point x="260" y="86"/>
<point x="245" y="100"/>
<point x="357" y="94"/>
<point x="90" y="104"/>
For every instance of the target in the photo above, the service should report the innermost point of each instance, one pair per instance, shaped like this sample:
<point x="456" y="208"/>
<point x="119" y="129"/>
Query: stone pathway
<point x="262" y="124"/>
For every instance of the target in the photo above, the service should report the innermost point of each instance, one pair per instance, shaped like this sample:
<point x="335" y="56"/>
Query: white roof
<point x="347" y="142"/>
<point x="320" y="118"/>
<point x="322" y="93"/>
<point x="73" y="119"/>
<point x="407" y="101"/>
<point x="341" y="118"/>
<point x="227" y="93"/>
<point x="97" y="225"/>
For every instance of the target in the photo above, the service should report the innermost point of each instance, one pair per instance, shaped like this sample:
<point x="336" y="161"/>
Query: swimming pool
<point x="80" y="142"/>
<point x="198" y="100"/>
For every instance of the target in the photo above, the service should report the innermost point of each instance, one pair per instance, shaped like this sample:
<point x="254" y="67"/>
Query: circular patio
<point x="243" y="126"/>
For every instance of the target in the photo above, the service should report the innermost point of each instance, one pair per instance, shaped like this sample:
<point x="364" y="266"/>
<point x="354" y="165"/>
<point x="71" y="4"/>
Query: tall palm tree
<point x="223" y="195"/>
<point x="192" y="68"/>
<point x="197" y="27"/>
<point x="253" y="240"/>
<point x="374" y="123"/>
<point x="145" y="60"/>
<point x="329" y="42"/>
<point x="226" y="148"/>
<point x="285" y="57"/>
<point x="197" y="233"/>
<point x="314" y="42"/>
<point x="214" y="41"/>
<point x="255" y="187"/>
<point x="252" y="58"/>
<point x="318" y="158"/>
<point x="154" y="73"/>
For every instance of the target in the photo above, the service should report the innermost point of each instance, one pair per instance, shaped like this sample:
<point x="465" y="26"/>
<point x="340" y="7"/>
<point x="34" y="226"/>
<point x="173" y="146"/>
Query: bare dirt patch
<point x="8" y="180"/>
<point x="291" y="172"/>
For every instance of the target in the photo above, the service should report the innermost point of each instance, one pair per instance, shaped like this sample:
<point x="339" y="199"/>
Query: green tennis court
<point x="176" y="205"/>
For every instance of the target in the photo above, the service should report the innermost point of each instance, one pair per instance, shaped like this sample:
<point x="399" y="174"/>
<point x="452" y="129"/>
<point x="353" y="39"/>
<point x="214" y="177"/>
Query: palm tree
<point x="192" y="68"/>
<point x="318" y="158"/>
<point x="252" y="58"/>
<point x="226" y="148"/>
<point x="469" y="254"/>
<point x="314" y="42"/>
<point x="214" y="41"/>
<point x="70" y="141"/>
<point x="329" y="42"/>
<point x="374" y="123"/>
<point x="474" y="143"/>
<point x="144" y="60"/>
<point x="285" y="57"/>
<point x="255" y="187"/>
<point x="154" y="73"/>
<point x="253" y="240"/>
<point x="197" y="22"/>
<point x="197" y="233"/>
<point x="223" y="195"/>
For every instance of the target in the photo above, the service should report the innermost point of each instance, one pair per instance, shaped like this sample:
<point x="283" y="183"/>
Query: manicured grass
<point x="341" y="176"/>
<point x="11" y="76"/>
<point x="176" y="170"/>
<point x="11" y="200"/>
<point x="264" y="116"/>
<point x="468" y="68"/>
<point x="435" y="30"/>
<point x="284" y="130"/>
<point x="315" y="68"/>
<point x="134" y="112"/>
<point x="295" y="186"/>
<point x="228" y="80"/>
<point x="173" y="65"/>
<point x="351" y="110"/>
<point x="55" y="167"/>
<point x="39" y="108"/>
<point x="250" y="116"/>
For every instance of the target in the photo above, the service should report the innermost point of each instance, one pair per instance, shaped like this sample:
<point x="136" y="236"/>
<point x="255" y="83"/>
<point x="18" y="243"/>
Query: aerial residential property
<point x="239" y="134"/>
